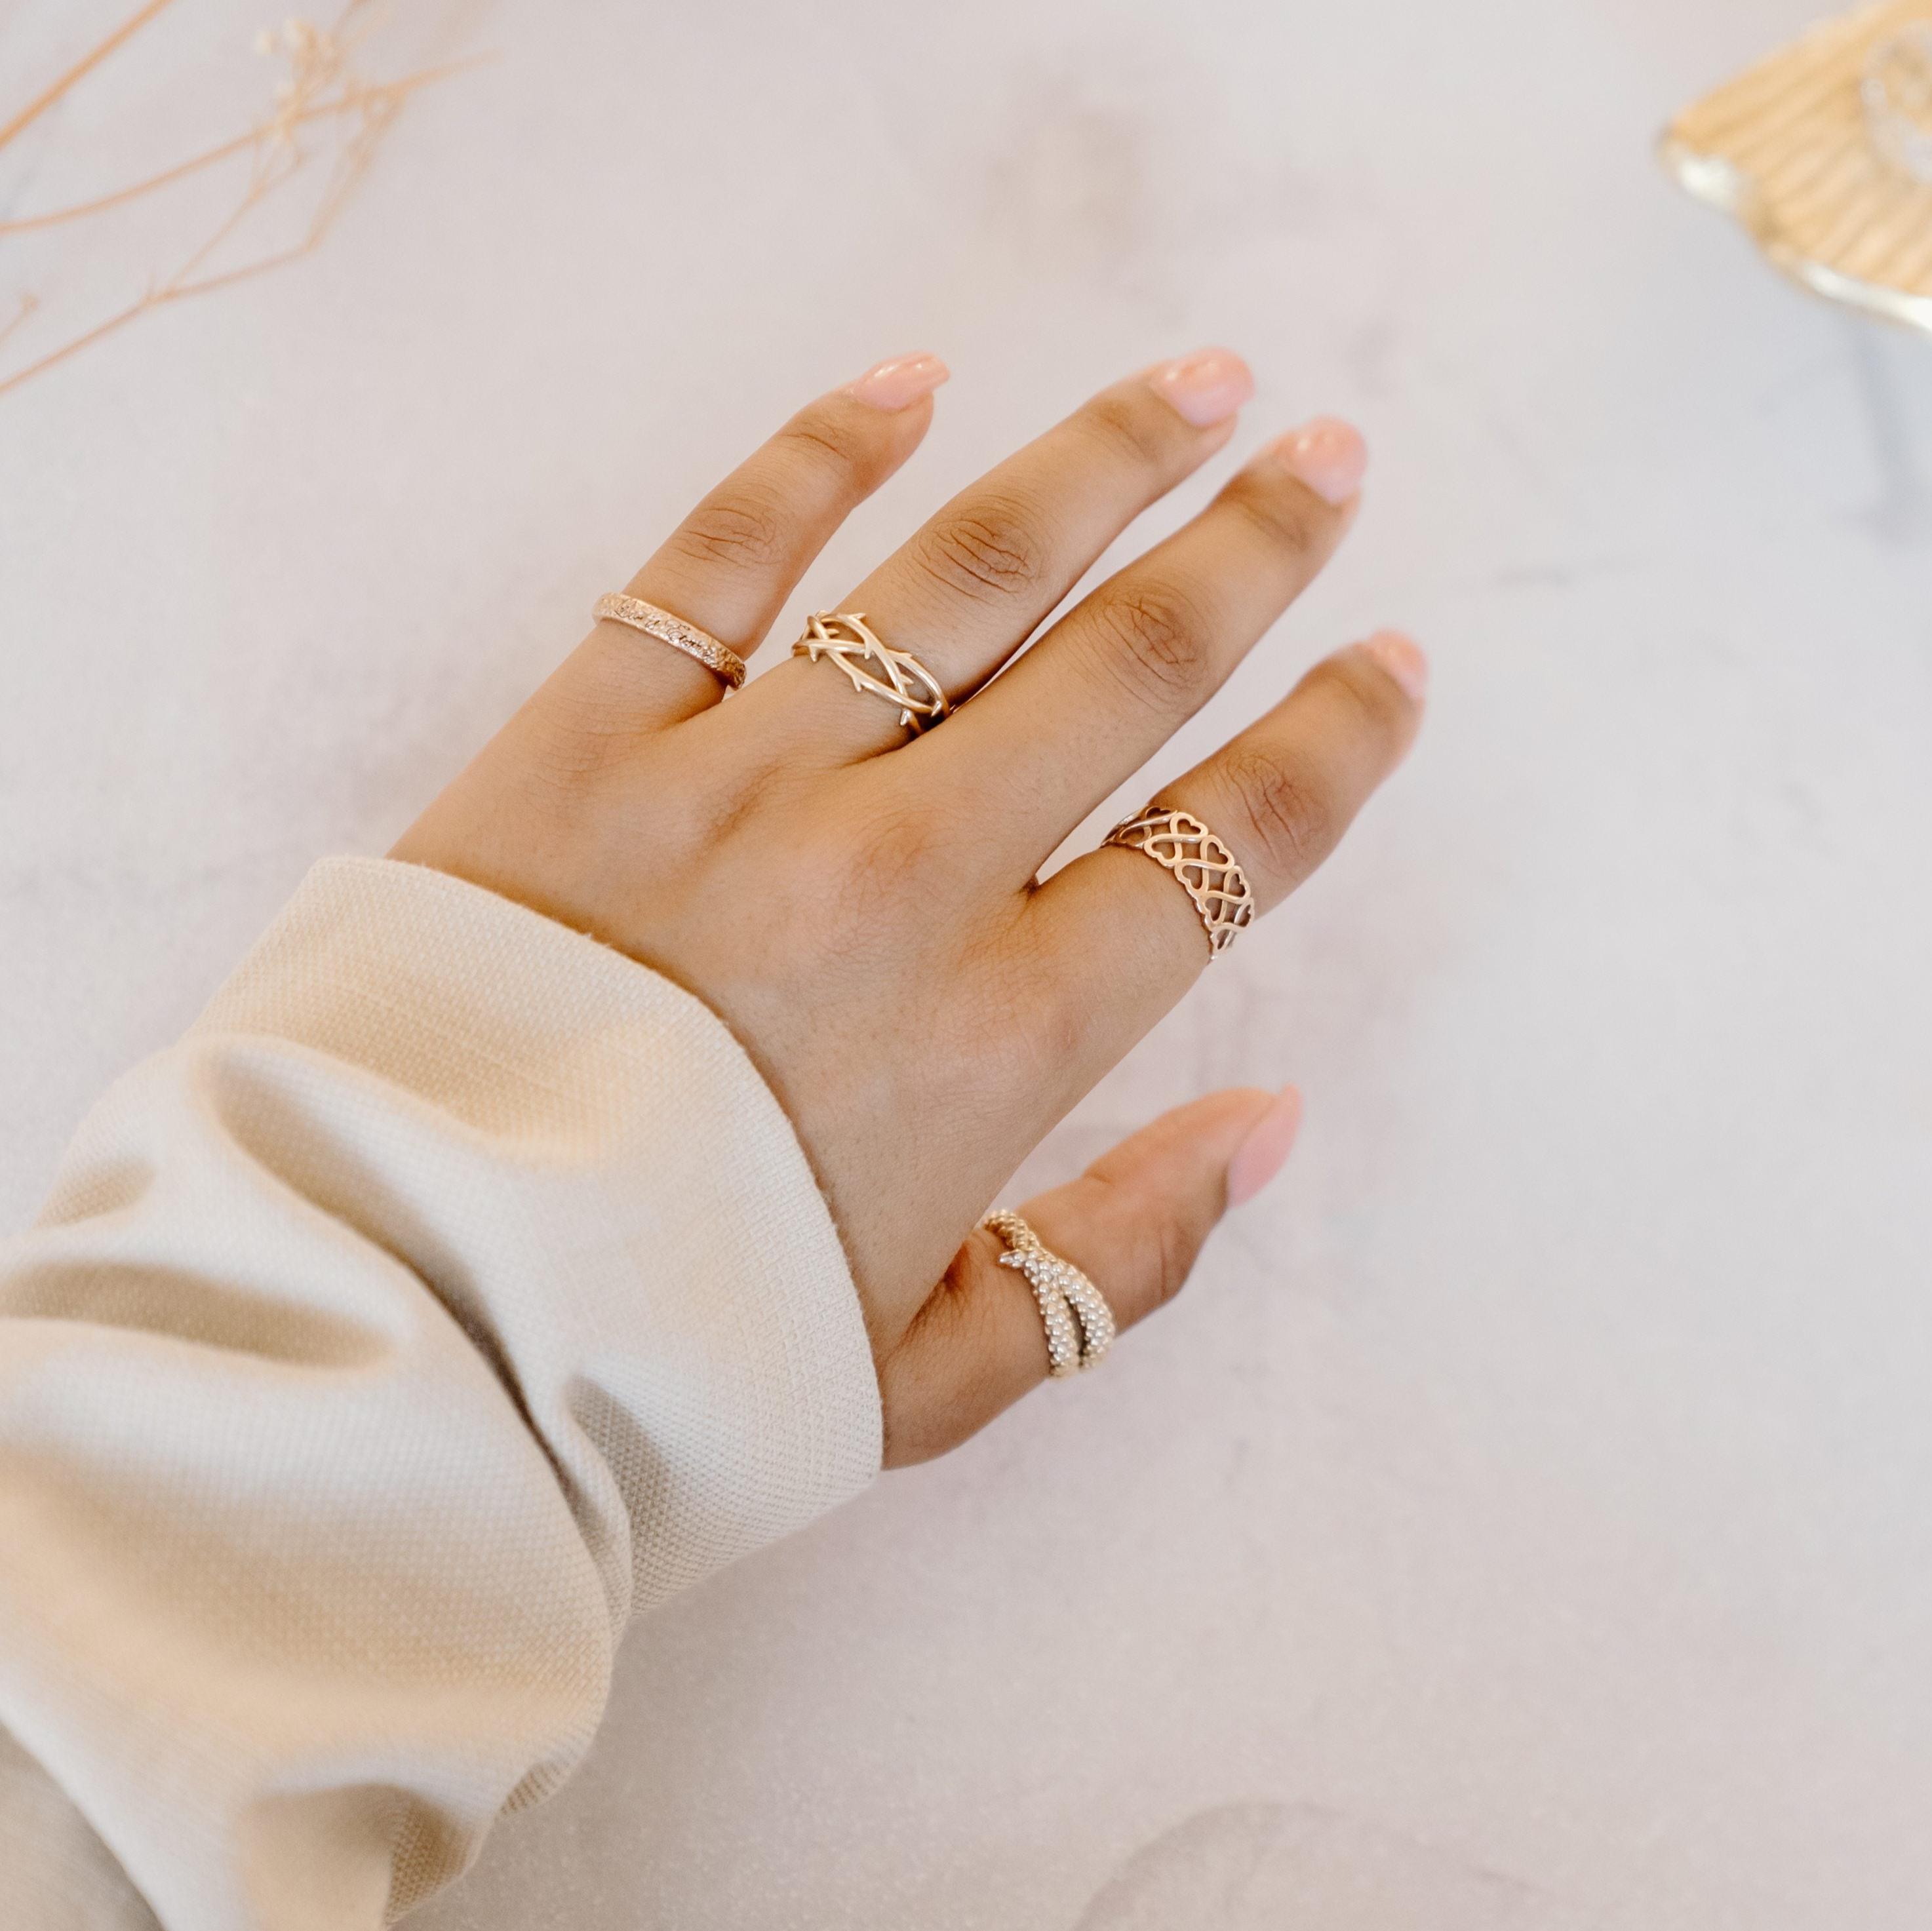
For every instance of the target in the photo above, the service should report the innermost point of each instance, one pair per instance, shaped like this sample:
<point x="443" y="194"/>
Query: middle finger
<point x="966" y="591"/>
<point x="1120" y="673"/>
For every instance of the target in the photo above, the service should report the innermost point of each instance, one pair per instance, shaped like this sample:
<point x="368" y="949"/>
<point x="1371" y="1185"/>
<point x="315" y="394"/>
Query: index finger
<point x="728" y="568"/>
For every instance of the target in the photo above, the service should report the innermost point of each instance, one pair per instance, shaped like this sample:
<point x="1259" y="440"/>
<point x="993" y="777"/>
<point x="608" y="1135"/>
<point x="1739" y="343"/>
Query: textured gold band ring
<point x="843" y="636"/>
<point x="1079" y="1323"/>
<point x="718" y="658"/>
<point x="1205" y="867"/>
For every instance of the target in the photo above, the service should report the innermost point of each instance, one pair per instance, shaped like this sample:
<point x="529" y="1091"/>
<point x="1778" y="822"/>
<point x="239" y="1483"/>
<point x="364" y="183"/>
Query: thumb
<point x="1134" y="1222"/>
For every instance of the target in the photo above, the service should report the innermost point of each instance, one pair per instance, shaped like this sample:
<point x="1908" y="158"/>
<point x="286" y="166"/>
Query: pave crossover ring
<point x="719" y="659"/>
<point x="1896" y="91"/>
<point x="842" y="636"/>
<point x="1205" y="867"/>
<point x="1079" y="1323"/>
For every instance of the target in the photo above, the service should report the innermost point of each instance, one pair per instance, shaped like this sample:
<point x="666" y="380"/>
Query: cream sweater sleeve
<point x="455" y="1289"/>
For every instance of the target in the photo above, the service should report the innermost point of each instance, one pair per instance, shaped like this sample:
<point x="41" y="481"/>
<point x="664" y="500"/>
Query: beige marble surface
<point x="1526" y="1520"/>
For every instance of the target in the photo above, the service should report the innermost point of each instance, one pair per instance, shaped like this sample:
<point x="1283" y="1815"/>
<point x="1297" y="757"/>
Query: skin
<point x="859" y="905"/>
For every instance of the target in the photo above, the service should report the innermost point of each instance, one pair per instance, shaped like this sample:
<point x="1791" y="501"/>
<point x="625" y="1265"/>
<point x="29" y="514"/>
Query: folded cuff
<point x="587" y="1167"/>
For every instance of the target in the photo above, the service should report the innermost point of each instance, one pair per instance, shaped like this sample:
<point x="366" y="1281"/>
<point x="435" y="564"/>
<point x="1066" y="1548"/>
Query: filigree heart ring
<point x="843" y="636"/>
<point x="1206" y="869"/>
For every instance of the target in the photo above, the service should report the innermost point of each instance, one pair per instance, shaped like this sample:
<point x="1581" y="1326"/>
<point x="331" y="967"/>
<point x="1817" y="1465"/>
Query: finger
<point x="968" y="588"/>
<point x="1133" y="1223"/>
<point x="1279" y="796"/>
<point x="730" y="565"/>
<point x="1111" y="682"/>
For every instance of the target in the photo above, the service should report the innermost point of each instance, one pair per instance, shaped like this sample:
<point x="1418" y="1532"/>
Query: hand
<point x="860" y="905"/>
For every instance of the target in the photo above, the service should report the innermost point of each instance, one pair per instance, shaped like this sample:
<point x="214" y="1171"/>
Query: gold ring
<point x="1079" y="1323"/>
<point x="718" y="658"/>
<point x="1205" y="867"/>
<point x="842" y="636"/>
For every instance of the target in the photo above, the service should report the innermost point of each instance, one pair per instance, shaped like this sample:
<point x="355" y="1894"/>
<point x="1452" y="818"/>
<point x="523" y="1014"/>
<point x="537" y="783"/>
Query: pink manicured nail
<point x="1328" y="455"/>
<point x="1398" y="656"/>
<point x="1259" y="1157"/>
<point x="1204" y="387"/>
<point x="898" y="384"/>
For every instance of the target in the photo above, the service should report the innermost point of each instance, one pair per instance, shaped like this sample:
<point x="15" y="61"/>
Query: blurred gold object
<point x="1824" y="152"/>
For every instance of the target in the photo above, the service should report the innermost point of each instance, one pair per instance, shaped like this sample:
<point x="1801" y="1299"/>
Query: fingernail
<point x="1328" y="455"/>
<point x="1259" y="1157"/>
<point x="1400" y="658"/>
<point x="898" y="384"/>
<point x="1204" y="387"/>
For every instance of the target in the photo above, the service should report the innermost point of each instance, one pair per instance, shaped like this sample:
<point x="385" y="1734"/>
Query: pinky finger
<point x="1134" y="1221"/>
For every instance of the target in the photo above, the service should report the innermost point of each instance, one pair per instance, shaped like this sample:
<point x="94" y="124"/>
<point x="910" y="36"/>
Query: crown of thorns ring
<point x="1205" y="867"/>
<point x="843" y="637"/>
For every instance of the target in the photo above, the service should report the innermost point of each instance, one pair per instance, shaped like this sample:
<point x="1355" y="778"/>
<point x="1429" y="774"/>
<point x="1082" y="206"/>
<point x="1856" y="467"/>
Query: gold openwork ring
<point x="721" y="660"/>
<point x="1205" y="867"/>
<point x="1079" y="1323"/>
<point x="843" y="636"/>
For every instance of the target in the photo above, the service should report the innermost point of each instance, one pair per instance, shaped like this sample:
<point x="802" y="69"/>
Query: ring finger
<point x="1279" y="794"/>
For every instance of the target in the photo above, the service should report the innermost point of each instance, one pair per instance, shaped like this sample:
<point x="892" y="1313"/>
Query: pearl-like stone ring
<point x="1079" y="1323"/>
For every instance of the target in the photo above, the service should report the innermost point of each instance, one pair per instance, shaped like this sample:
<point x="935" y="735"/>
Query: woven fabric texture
<point x="453" y="1290"/>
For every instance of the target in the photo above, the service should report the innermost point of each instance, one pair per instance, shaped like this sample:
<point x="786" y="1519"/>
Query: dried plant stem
<point x="179" y="172"/>
<point x="322" y="88"/>
<point x="80" y="210"/>
<point x="184" y="282"/>
<point x="127" y="29"/>
<point x="29" y="302"/>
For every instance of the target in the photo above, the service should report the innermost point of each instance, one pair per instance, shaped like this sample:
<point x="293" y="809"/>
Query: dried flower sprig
<point x="322" y="88"/>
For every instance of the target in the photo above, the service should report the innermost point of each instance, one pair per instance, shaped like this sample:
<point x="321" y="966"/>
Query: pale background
<point x="1525" y="1521"/>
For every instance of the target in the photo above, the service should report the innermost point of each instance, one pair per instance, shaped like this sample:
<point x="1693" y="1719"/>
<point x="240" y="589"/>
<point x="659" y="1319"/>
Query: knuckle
<point x="877" y="863"/>
<point x="1157" y="639"/>
<point x="1288" y="517"/>
<point x="990" y="552"/>
<point x="1170" y="1259"/>
<point x="1379" y="702"/>
<point x="1292" y="820"/>
<point x="1029" y="1023"/>
<point x="1031" y="1052"/>
<point x="1048" y="1022"/>
<point x="567" y="762"/>
<point x="743" y="531"/>
<point x="825" y="440"/>
<point x="1138" y="428"/>
<point x="1162" y="1246"/>
<point x="1060" y="1031"/>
